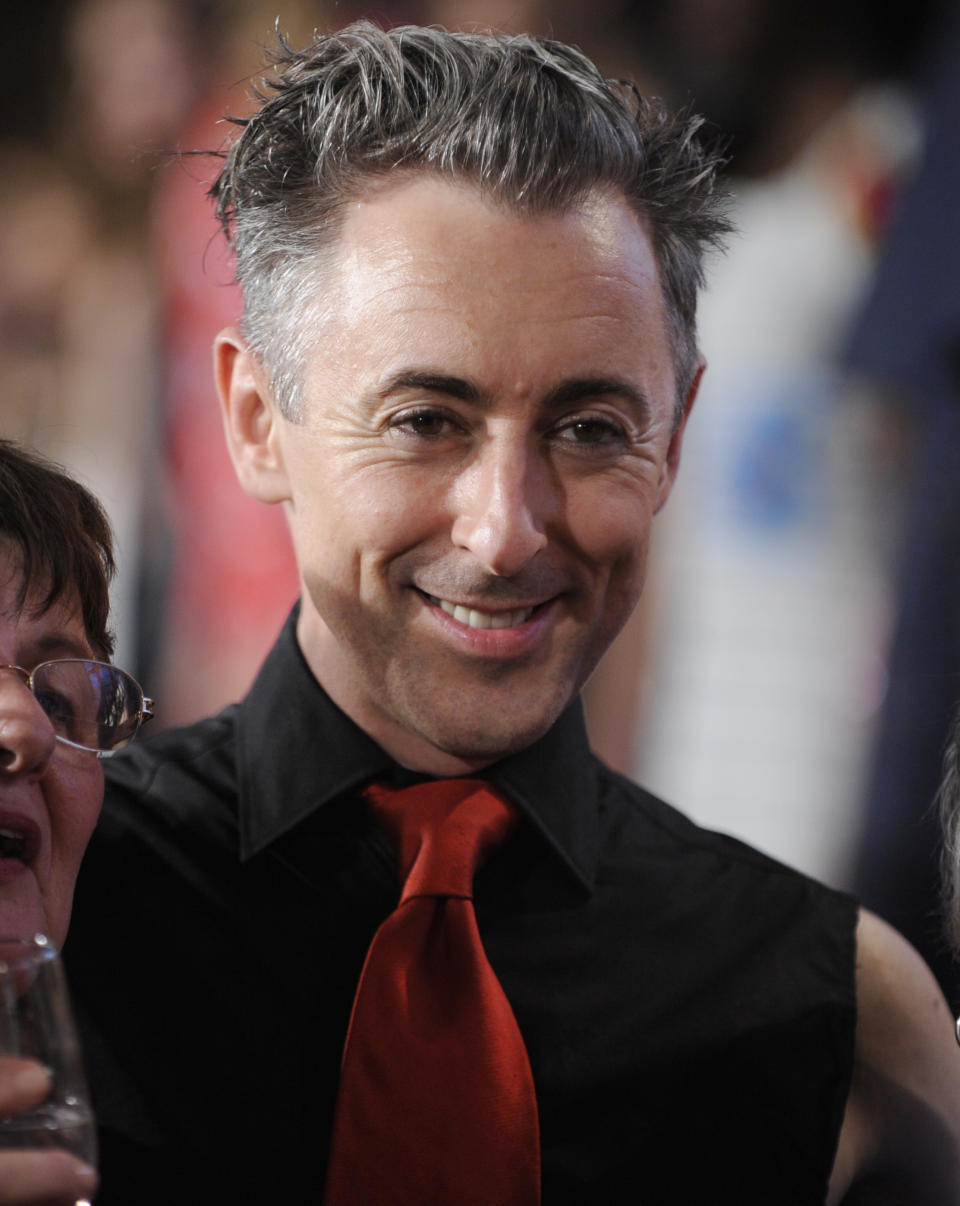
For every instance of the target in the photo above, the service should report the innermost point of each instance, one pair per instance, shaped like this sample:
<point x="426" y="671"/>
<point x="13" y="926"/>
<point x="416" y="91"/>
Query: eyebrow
<point x="436" y="383"/>
<point x="573" y="391"/>
<point x="594" y="387"/>
<point x="56" y="644"/>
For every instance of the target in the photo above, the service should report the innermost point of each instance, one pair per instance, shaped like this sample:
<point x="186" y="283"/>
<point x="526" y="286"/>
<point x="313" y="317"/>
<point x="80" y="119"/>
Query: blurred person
<point x="468" y="357"/>
<point x="227" y="570"/>
<point x="46" y="230"/>
<point x="903" y="348"/>
<point x="126" y="72"/>
<point x="56" y="561"/>
<point x="130" y="83"/>
<point x="769" y="76"/>
<point x="602" y="30"/>
<point x="767" y="664"/>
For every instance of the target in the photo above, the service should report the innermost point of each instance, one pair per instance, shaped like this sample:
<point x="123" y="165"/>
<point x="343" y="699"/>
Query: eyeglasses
<point x="92" y="705"/>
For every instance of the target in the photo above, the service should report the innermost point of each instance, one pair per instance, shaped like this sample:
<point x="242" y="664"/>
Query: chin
<point x="24" y="922"/>
<point x="473" y="724"/>
<point x="483" y="743"/>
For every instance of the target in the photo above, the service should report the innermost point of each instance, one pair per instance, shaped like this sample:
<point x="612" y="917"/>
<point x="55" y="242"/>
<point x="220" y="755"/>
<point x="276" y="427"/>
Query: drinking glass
<point x="36" y="1023"/>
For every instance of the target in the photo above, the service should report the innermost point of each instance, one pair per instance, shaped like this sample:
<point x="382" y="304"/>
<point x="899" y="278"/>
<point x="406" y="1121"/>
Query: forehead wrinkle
<point x="409" y="278"/>
<point x="376" y="263"/>
<point x="399" y="298"/>
<point x="406" y="285"/>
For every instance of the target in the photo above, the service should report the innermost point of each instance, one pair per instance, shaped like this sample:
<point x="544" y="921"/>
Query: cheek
<point x="73" y="806"/>
<point x="362" y="532"/>
<point x="612" y="534"/>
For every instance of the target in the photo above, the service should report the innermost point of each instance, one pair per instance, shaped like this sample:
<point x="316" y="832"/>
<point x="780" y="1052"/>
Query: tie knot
<point x="442" y="830"/>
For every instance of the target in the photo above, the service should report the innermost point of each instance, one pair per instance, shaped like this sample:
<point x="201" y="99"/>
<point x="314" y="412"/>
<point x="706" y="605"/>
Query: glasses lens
<point x="89" y="703"/>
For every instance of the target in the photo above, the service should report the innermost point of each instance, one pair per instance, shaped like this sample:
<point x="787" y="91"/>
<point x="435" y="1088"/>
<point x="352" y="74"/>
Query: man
<point x="468" y="356"/>
<point x="56" y="562"/>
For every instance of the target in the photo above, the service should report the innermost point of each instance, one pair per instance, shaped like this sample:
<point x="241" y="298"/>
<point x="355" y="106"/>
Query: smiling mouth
<point x="473" y="617"/>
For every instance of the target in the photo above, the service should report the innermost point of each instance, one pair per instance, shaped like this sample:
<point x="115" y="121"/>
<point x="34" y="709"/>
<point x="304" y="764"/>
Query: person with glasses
<point x="63" y="708"/>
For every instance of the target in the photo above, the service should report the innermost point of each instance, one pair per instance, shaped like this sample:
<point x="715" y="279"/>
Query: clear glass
<point x="91" y="705"/>
<point x="36" y="1023"/>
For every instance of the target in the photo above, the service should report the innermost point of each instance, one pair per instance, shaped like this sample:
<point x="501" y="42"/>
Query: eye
<point x="60" y="711"/>
<point x="593" y="431"/>
<point x="426" y="424"/>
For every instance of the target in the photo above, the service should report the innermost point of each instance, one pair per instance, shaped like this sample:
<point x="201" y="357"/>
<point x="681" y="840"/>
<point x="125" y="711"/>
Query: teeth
<point x="483" y="619"/>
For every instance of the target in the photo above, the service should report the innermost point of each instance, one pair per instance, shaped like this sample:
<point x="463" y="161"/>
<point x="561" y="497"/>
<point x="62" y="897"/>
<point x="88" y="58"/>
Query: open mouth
<point x="19" y="841"/>
<point x="473" y="617"/>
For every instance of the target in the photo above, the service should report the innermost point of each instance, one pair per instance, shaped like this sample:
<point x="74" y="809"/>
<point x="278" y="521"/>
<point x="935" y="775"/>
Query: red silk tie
<point x="436" y="1105"/>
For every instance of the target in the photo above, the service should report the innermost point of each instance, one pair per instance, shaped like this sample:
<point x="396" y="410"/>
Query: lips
<point x="474" y="617"/>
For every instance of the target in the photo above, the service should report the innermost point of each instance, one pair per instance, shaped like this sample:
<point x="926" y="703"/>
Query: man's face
<point x="50" y="794"/>
<point x="486" y="434"/>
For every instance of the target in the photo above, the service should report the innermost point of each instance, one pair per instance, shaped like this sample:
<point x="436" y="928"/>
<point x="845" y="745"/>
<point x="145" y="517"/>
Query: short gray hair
<point x="532" y="122"/>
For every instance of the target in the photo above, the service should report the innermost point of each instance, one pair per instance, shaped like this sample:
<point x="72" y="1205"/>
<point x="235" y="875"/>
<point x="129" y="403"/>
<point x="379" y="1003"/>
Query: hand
<point x="40" y="1177"/>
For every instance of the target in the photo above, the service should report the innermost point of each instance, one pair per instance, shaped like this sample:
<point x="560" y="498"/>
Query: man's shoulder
<point x="711" y="889"/>
<point x="665" y="829"/>
<point x="181" y="778"/>
<point x="169" y="818"/>
<point x="203" y="750"/>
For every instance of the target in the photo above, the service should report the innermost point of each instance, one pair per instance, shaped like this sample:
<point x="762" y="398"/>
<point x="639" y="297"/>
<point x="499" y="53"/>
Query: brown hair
<point x="63" y="538"/>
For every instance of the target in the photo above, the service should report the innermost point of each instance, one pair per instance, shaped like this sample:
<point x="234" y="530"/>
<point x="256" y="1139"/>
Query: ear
<point x="671" y="463"/>
<point x="251" y="421"/>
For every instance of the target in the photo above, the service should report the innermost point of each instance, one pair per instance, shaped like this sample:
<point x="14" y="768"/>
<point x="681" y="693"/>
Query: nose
<point x="502" y="501"/>
<point x="26" y="735"/>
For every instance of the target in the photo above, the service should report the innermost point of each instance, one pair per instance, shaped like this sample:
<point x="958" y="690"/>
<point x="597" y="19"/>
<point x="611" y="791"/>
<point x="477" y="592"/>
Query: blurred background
<point x="792" y="671"/>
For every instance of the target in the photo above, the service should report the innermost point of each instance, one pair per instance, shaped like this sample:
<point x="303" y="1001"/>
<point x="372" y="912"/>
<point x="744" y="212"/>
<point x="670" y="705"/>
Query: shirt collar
<point x="297" y="751"/>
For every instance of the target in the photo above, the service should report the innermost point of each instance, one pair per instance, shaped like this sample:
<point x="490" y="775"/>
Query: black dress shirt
<point x="688" y="1004"/>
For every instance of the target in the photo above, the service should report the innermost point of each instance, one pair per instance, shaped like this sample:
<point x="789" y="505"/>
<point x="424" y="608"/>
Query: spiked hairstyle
<point x="531" y="122"/>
